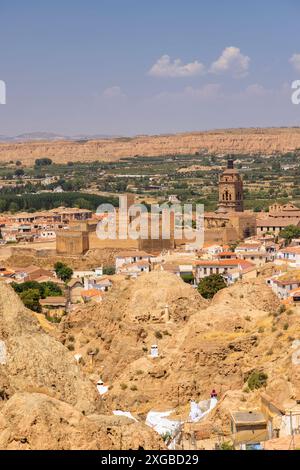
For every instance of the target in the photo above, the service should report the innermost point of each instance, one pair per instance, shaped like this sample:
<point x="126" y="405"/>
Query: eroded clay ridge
<point x="262" y="141"/>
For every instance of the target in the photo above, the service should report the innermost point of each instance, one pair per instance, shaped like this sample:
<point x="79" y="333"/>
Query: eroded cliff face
<point x="202" y="345"/>
<point x="264" y="141"/>
<point x="45" y="397"/>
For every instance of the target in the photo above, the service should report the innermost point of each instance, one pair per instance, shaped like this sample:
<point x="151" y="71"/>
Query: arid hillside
<point x="202" y="345"/>
<point x="264" y="141"/>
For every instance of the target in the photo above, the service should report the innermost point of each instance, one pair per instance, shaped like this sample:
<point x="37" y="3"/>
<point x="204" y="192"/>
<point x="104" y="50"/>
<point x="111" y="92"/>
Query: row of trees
<point x="46" y="201"/>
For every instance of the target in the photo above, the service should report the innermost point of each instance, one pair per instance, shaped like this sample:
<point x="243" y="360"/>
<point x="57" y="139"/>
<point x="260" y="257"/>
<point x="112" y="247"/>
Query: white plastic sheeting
<point x="201" y="409"/>
<point x="158" y="420"/>
<point x="127" y="414"/>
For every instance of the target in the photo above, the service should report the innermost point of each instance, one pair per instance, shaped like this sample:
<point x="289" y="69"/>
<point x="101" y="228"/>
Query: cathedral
<point x="230" y="222"/>
<point x="230" y="190"/>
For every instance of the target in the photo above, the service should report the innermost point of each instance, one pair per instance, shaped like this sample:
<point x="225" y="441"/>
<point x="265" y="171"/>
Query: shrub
<point x="285" y="326"/>
<point x="133" y="388"/>
<point x="261" y="329"/>
<point x="227" y="445"/>
<point x="158" y="334"/>
<point x="247" y="318"/>
<point x="70" y="347"/>
<point x="123" y="386"/>
<point x="109" y="270"/>
<point x="281" y="309"/>
<point x="139" y="372"/>
<point x="71" y="339"/>
<point x="166" y="333"/>
<point x="257" y="380"/>
<point x="210" y="285"/>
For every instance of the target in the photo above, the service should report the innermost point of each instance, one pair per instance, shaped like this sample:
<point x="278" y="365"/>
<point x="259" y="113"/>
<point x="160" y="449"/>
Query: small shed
<point x="248" y="428"/>
<point x="54" y="306"/>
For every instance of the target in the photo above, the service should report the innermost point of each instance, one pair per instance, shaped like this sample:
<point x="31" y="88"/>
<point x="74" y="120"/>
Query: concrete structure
<point x="248" y="428"/>
<point x="72" y="242"/>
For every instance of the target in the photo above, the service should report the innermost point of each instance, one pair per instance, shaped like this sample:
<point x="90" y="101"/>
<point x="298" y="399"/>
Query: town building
<point x="248" y="429"/>
<point x="204" y="268"/>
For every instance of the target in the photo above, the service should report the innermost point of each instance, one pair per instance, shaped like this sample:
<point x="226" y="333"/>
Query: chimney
<point x="230" y="164"/>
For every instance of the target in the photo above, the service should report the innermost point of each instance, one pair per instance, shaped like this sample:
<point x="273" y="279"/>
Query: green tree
<point x="51" y="289"/>
<point x="210" y="285"/>
<point x="83" y="203"/>
<point x="13" y="207"/>
<point x="19" y="172"/>
<point x="43" y="161"/>
<point x="290" y="232"/>
<point x="2" y="205"/>
<point x="63" y="271"/>
<point x="109" y="270"/>
<point x="31" y="299"/>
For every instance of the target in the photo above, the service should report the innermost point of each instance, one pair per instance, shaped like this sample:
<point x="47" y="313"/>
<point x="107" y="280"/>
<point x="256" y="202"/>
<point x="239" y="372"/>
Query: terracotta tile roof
<point x="91" y="293"/>
<point x="53" y="301"/>
<point x="225" y="262"/>
<point x="291" y="249"/>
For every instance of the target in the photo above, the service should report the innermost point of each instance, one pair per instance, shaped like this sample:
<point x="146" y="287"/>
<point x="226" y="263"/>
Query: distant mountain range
<point x="48" y="136"/>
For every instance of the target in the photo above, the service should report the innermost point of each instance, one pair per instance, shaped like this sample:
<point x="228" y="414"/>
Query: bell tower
<point x="231" y="197"/>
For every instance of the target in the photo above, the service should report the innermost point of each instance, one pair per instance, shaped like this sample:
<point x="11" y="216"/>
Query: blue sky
<point x="135" y="66"/>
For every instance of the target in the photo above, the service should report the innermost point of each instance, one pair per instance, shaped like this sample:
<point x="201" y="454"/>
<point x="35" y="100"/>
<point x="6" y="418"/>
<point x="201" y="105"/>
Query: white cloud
<point x="233" y="61"/>
<point x="295" y="61"/>
<point x="113" y="92"/>
<point x="164" y="67"/>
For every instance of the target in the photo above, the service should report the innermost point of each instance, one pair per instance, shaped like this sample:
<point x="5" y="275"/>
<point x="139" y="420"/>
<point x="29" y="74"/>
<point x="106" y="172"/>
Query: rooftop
<point x="248" y="417"/>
